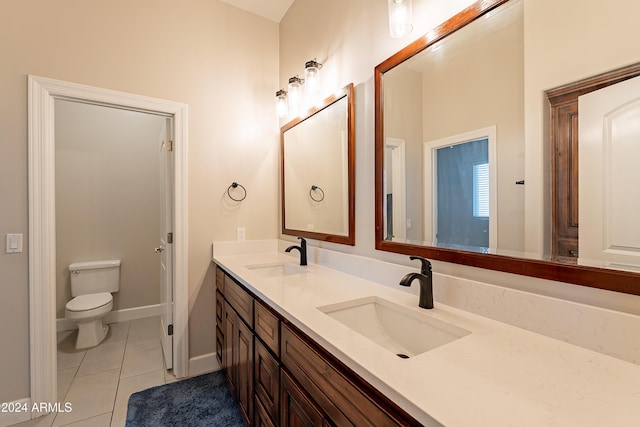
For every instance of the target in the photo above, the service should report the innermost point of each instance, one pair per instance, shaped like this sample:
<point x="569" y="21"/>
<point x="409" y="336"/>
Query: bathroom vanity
<point x="299" y="347"/>
<point x="281" y="376"/>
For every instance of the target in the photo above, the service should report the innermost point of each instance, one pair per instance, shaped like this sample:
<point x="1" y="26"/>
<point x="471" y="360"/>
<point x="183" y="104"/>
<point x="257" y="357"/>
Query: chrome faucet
<point x="425" y="280"/>
<point x="302" y="249"/>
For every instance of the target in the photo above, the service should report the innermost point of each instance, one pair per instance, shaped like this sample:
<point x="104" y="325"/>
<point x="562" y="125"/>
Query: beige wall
<point x="478" y="87"/>
<point x="351" y="41"/>
<point x="108" y="198"/>
<point x="403" y="120"/>
<point x="563" y="43"/>
<point x="221" y="61"/>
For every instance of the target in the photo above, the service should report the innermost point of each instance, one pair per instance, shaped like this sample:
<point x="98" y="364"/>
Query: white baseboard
<point x="13" y="416"/>
<point x="116" y="316"/>
<point x="203" y="364"/>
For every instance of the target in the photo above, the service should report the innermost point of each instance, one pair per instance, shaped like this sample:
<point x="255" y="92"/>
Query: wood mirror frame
<point x="602" y="278"/>
<point x="350" y="238"/>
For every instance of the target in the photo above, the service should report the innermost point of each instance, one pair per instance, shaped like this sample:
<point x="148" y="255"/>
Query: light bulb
<point x="312" y="80"/>
<point x="295" y="95"/>
<point x="281" y="103"/>
<point x="400" y="18"/>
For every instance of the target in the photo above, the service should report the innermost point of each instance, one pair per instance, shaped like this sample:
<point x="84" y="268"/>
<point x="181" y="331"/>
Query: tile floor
<point x="98" y="381"/>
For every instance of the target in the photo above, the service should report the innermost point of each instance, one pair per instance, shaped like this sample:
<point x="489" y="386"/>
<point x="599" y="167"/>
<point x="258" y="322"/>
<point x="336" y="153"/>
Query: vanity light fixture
<point x="400" y="18"/>
<point x="295" y="95"/>
<point x="312" y="79"/>
<point x="281" y="103"/>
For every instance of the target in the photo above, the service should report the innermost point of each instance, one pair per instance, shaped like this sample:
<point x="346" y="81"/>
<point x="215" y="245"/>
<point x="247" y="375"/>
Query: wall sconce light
<point x="281" y="103"/>
<point x="290" y="102"/>
<point x="295" y="95"/>
<point x="312" y="79"/>
<point x="400" y="18"/>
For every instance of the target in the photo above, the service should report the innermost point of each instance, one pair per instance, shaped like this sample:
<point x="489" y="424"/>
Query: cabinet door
<point x="267" y="380"/>
<point x="219" y="345"/>
<point x="229" y="331"/>
<point x="243" y="359"/>
<point x="296" y="409"/>
<point x="261" y="418"/>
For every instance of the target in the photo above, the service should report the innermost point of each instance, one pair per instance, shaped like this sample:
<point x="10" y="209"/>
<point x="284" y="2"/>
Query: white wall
<point x="108" y="197"/>
<point x="220" y="60"/>
<point x="563" y="43"/>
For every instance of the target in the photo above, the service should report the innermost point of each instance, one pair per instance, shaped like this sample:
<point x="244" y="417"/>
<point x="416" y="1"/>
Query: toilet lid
<point x="89" y="301"/>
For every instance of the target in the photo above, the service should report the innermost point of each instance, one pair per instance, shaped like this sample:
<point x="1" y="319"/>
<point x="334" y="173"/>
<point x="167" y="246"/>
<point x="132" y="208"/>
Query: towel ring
<point x="236" y="185"/>
<point x="316" y="188"/>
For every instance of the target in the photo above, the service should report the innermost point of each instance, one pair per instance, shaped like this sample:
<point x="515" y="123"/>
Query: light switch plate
<point x="14" y="243"/>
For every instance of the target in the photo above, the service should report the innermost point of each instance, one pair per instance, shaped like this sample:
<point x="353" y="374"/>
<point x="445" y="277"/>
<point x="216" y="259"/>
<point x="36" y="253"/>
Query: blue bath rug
<point x="204" y="400"/>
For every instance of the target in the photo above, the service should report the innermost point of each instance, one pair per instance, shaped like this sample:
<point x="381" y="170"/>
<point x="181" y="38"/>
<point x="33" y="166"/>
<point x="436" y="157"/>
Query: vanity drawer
<point x="338" y="396"/>
<point x="267" y="327"/>
<point x="267" y="380"/>
<point x="239" y="299"/>
<point x="220" y="279"/>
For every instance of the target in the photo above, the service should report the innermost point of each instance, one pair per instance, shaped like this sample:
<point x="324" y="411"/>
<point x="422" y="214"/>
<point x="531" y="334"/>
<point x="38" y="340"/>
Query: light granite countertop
<point x="498" y="375"/>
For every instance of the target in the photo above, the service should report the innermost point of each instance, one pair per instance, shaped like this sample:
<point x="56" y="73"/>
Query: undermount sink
<point x="404" y="332"/>
<point x="276" y="269"/>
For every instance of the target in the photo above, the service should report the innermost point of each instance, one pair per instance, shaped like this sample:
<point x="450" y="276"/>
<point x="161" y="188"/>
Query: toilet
<point x="91" y="286"/>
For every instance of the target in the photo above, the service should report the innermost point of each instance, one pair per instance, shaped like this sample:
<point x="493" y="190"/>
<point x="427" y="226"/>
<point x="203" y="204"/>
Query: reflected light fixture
<point x="400" y="18"/>
<point x="295" y="95"/>
<point x="312" y="79"/>
<point x="281" y="103"/>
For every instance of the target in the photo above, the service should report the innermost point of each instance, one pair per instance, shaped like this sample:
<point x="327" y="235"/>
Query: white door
<point x="609" y="190"/>
<point x="165" y="250"/>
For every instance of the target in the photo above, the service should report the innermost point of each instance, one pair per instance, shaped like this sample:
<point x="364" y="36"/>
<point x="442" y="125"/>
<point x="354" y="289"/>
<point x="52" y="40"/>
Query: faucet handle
<point x="426" y="264"/>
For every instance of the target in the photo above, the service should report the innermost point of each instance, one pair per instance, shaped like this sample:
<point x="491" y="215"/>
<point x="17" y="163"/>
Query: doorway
<point x="462" y="195"/>
<point x="43" y="93"/>
<point x="395" y="190"/>
<point x="460" y="191"/>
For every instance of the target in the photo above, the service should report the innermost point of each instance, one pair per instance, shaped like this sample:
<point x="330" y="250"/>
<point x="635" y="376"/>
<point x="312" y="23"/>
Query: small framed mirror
<point x="318" y="177"/>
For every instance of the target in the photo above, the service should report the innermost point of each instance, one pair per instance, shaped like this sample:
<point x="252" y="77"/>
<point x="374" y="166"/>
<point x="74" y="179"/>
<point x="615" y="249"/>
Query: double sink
<point x="398" y="329"/>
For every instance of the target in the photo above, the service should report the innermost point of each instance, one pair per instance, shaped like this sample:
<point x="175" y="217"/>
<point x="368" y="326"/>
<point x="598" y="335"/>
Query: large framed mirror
<point x="449" y="150"/>
<point x="318" y="171"/>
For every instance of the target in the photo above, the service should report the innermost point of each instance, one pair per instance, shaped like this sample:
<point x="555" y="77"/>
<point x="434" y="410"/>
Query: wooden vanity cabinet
<point x="219" y="325"/>
<point x="281" y="377"/>
<point x="244" y="363"/>
<point x="237" y="345"/>
<point x="298" y="409"/>
<point x="260" y="416"/>
<point x="267" y="380"/>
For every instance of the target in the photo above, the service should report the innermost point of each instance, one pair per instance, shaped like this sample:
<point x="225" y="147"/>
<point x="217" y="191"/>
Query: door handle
<point x="159" y="249"/>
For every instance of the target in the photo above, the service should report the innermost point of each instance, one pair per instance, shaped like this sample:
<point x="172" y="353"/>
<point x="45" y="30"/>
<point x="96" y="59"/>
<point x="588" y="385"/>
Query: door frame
<point x="399" y="188"/>
<point x="42" y="240"/>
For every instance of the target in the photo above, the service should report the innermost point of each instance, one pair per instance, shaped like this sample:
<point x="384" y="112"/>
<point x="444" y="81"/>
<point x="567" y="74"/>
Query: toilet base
<point x="91" y="333"/>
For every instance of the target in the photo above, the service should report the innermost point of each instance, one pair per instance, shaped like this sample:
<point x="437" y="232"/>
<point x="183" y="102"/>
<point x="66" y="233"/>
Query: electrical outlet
<point x="240" y="234"/>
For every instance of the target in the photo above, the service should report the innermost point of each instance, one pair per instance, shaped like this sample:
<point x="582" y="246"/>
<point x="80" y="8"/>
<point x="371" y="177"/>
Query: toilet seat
<point x="89" y="302"/>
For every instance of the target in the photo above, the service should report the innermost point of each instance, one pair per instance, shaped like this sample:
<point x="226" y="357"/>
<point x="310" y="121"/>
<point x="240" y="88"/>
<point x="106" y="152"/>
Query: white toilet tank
<point x="94" y="276"/>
